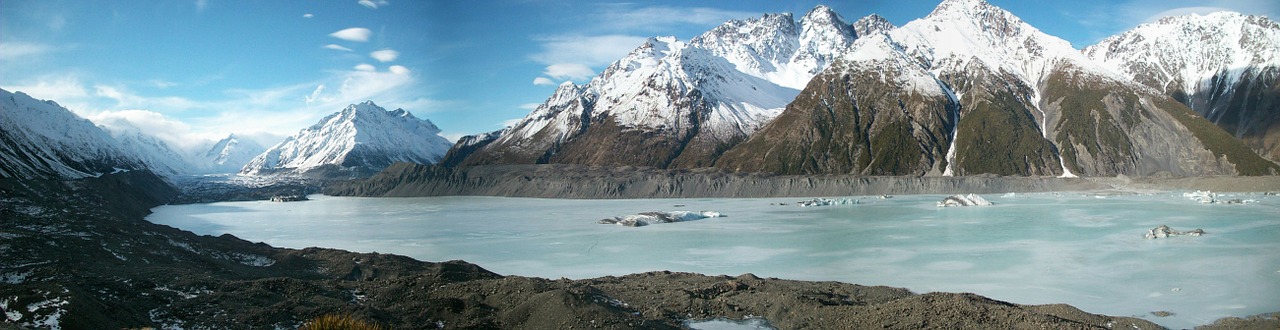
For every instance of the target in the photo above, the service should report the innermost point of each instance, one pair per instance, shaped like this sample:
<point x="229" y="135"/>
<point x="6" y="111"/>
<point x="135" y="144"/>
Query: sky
<point x="193" y="71"/>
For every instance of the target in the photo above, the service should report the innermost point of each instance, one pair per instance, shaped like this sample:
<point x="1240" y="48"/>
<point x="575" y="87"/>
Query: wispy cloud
<point x="373" y="4"/>
<point x="308" y="15"/>
<point x="201" y="5"/>
<point x="586" y="50"/>
<point x="15" y="50"/>
<point x="355" y="34"/>
<point x="572" y="71"/>
<point x="630" y="17"/>
<point x="543" y="81"/>
<point x="365" y="67"/>
<point x="337" y="47"/>
<point x="384" y="55"/>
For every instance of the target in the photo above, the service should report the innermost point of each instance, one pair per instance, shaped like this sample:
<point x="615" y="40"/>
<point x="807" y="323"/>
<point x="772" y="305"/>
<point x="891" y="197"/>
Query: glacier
<point x="1075" y="248"/>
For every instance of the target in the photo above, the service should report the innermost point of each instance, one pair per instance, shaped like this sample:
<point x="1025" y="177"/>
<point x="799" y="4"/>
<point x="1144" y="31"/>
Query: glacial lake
<point x="1082" y="249"/>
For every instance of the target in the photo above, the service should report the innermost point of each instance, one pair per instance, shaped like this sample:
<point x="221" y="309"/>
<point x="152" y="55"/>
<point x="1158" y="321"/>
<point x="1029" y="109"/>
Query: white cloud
<point x="172" y="131"/>
<point x="511" y="122"/>
<point x="571" y="71"/>
<point x="127" y="99"/>
<point x="543" y="81"/>
<point x="356" y="34"/>
<point x="529" y="106"/>
<point x="61" y="89"/>
<point x="373" y="4"/>
<point x="315" y="94"/>
<point x="384" y="55"/>
<point x="627" y="17"/>
<point x="1183" y="11"/>
<point x="12" y="50"/>
<point x="308" y="15"/>
<point x="337" y="47"/>
<point x="398" y="69"/>
<point x="586" y="50"/>
<point x="365" y="67"/>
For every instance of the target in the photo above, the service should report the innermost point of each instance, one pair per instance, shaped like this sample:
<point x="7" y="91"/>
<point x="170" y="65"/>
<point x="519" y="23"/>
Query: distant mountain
<point x="228" y="155"/>
<point x="43" y="140"/>
<point x="157" y="155"/>
<point x="357" y="141"/>
<point x="973" y="89"/>
<point x="675" y="104"/>
<point x="1223" y="65"/>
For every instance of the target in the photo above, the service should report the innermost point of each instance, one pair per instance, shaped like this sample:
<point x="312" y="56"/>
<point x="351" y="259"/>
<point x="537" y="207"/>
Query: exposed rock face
<point x="972" y="89"/>
<point x="1223" y="65"/>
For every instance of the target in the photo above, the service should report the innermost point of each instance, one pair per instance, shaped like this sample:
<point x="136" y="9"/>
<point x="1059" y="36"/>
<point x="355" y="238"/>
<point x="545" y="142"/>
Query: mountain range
<point x="968" y="89"/>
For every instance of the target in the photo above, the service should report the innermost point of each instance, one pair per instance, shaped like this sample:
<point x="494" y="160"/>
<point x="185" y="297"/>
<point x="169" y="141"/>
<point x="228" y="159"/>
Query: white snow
<point x="377" y="134"/>
<point x="743" y="71"/>
<point x="1190" y="50"/>
<point x="52" y="142"/>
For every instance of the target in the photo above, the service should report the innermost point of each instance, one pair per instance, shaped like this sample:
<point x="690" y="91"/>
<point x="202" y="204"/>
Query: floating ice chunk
<point x="648" y="218"/>
<point x="964" y="200"/>
<point x="827" y="202"/>
<point x="1164" y="231"/>
<point x="1204" y="197"/>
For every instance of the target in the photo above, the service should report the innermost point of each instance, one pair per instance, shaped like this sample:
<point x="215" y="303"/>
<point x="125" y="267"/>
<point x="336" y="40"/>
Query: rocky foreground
<point x="77" y="255"/>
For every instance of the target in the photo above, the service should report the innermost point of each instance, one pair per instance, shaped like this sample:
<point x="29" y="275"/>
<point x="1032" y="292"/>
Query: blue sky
<point x="188" y="70"/>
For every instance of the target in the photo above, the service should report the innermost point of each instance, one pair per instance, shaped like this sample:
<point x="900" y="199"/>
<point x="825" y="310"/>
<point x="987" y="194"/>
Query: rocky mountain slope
<point x="973" y="89"/>
<point x="157" y="155"/>
<point x="41" y="139"/>
<point x="672" y="103"/>
<point x="1223" y="65"/>
<point x="357" y="141"/>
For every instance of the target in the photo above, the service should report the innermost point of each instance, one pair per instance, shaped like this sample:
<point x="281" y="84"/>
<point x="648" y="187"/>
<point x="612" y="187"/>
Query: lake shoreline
<point x="595" y="182"/>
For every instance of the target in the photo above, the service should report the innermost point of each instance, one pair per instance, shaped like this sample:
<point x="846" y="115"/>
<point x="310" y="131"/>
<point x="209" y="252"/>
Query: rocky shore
<point x="77" y="255"/>
<point x="589" y="182"/>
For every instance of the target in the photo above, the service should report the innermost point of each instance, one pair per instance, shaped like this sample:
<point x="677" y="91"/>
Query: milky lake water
<point x="1081" y="249"/>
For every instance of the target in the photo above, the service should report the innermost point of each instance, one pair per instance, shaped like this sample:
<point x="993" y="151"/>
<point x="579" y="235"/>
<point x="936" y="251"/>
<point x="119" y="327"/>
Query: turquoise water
<point x="1082" y="249"/>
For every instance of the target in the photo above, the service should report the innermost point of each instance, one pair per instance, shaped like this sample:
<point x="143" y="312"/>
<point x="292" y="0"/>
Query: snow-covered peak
<point x="1182" y="51"/>
<point x="364" y="136"/>
<point x="872" y="24"/>
<point x="959" y="32"/>
<point x="228" y="155"/>
<point x="42" y="139"/>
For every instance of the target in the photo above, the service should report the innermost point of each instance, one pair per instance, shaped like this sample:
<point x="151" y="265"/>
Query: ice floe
<point x="963" y="200"/>
<point x="1164" y="231"/>
<point x="649" y="218"/>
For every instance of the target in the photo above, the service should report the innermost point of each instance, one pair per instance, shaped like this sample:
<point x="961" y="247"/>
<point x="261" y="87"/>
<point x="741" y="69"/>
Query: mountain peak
<point x="871" y="24"/>
<point x="822" y="14"/>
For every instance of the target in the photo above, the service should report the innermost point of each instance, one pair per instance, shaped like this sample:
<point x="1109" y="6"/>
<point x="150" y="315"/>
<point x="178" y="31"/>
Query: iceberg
<point x="649" y="218"/>
<point x="964" y="200"/>
<point x="1164" y="231"/>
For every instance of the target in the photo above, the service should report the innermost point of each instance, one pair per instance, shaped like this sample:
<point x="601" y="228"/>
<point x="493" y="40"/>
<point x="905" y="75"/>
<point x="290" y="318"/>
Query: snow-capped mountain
<point x="228" y="155"/>
<point x="357" y="141"/>
<point x="671" y="103"/>
<point x="157" y="155"/>
<point x="43" y="140"/>
<point x="1223" y="65"/>
<point x="973" y="89"/>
